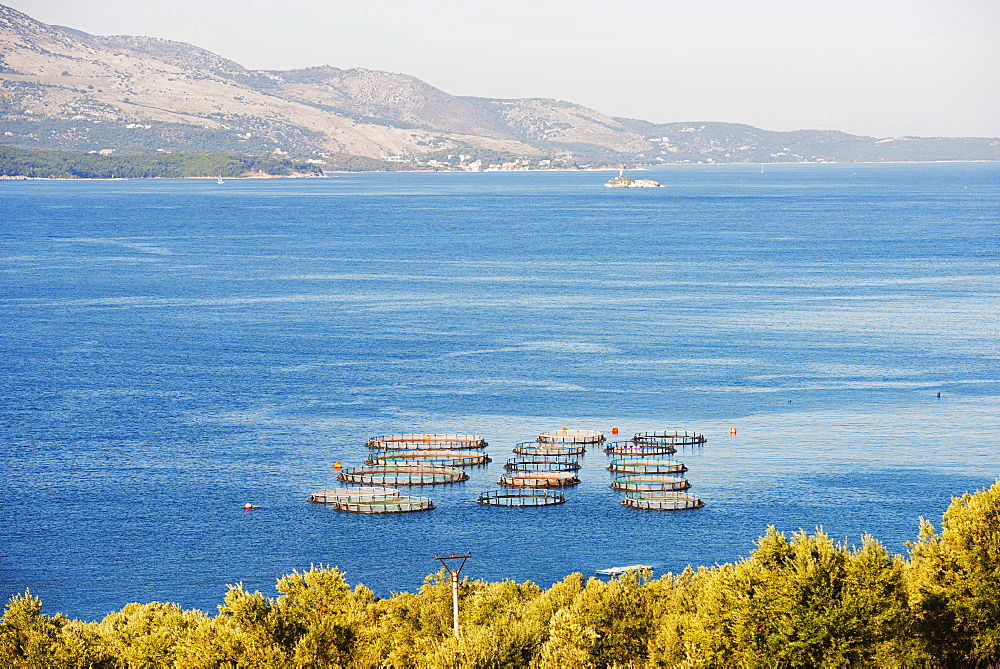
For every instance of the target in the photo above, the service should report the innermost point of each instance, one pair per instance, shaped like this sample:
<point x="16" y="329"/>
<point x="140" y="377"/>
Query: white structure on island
<point x="622" y="181"/>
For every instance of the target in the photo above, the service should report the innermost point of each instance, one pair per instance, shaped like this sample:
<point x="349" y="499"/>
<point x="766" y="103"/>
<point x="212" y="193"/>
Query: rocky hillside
<point x="61" y="88"/>
<point x="387" y="98"/>
<point x="556" y="124"/>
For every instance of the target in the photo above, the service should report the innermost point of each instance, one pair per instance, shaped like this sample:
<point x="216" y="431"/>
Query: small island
<point x="622" y="181"/>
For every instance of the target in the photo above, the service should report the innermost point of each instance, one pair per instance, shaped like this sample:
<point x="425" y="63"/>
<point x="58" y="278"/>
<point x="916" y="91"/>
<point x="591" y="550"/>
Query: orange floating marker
<point x="614" y="430"/>
<point x="336" y="465"/>
<point x="732" y="430"/>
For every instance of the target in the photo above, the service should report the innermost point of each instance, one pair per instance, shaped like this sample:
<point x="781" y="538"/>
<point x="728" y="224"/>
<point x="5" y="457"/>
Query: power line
<point x="454" y="580"/>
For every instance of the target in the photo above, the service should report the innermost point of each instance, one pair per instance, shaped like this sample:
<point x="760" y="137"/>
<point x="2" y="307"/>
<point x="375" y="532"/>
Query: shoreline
<point x="337" y="173"/>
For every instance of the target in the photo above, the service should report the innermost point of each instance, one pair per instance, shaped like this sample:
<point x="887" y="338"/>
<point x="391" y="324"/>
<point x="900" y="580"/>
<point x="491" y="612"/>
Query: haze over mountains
<point x="61" y="88"/>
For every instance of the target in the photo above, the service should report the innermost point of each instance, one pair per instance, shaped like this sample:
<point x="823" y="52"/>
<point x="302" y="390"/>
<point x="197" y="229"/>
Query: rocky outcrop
<point x="622" y="181"/>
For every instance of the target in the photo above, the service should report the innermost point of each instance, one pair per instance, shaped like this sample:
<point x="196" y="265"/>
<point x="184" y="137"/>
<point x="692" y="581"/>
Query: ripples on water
<point x="173" y="349"/>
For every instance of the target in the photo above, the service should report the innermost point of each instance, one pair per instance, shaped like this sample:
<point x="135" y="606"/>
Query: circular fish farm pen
<point x="544" y="479"/>
<point x="392" y="505"/>
<point x="647" y="466"/>
<point x="662" y="501"/>
<point x="567" y="436"/>
<point x="640" y="449"/>
<point x="338" y="494"/>
<point x="669" y="438"/>
<point x="544" y="465"/>
<point x="649" y="482"/>
<point x="426" y="441"/>
<point x="403" y="475"/>
<point x="530" y="497"/>
<point x="550" y="449"/>
<point x="435" y="458"/>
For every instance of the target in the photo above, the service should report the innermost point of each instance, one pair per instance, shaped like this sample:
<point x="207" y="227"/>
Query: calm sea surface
<point x="170" y="350"/>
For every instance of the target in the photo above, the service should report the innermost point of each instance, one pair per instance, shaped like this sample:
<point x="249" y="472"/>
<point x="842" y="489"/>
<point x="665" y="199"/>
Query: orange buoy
<point x="732" y="430"/>
<point x="336" y="465"/>
<point x="614" y="430"/>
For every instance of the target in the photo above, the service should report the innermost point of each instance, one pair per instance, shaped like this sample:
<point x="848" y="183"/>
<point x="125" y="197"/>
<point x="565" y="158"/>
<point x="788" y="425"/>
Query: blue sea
<point x="171" y="350"/>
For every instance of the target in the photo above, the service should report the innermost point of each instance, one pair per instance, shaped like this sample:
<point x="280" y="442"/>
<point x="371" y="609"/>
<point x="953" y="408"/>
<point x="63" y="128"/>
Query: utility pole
<point x="454" y="581"/>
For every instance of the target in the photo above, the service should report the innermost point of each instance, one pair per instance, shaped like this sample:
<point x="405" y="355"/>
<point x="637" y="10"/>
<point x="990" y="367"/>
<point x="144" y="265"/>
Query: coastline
<point x="643" y="168"/>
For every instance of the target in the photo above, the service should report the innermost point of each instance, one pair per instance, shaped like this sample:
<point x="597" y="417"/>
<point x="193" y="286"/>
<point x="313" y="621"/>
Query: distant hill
<point x="737" y="143"/>
<point x="61" y="88"/>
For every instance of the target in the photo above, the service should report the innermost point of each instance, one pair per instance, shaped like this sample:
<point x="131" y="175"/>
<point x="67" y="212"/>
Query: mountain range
<point x="61" y="88"/>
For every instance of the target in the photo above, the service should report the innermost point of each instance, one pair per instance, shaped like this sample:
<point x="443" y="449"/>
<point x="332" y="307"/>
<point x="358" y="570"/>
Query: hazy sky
<point x="871" y="67"/>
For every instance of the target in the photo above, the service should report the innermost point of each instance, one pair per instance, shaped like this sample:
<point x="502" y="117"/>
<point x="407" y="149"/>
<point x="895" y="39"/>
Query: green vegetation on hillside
<point x="245" y="135"/>
<point x="797" y="601"/>
<point x="72" y="165"/>
<point x="345" y="162"/>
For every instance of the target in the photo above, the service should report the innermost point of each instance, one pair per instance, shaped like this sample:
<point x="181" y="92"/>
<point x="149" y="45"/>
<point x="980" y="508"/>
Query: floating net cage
<point x="530" y="497"/>
<point x="669" y="438"/>
<point x="662" y="501"/>
<point x="426" y="441"/>
<point x="435" y="458"/>
<point x="545" y="479"/>
<point x="567" y="436"/>
<point x="337" y="494"/>
<point x="403" y="475"/>
<point x="547" y="458"/>
<point x="646" y="466"/>
<point x="391" y="505"/>
<point x="640" y="449"/>
<point x="644" y="482"/>
<point x="529" y="464"/>
<point x="550" y="449"/>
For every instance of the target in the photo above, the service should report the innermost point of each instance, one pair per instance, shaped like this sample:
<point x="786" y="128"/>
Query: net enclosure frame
<point x="392" y="505"/>
<point x="675" y="438"/>
<point x="436" y="458"/>
<point x="550" y="448"/>
<point x="522" y="497"/>
<point x="334" y="495"/>
<point x="640" y="449"/>
<point x="646" y="466"/>
<point x="426" y="441"/>
<point x="519" y="465"/>
<point x="546" y="459"/>
<point x="662" y="501"/>
<point x="543" y="479"/>
<point x="649" y="482"/>
<point x="568" y="436"/>
<point x="403" y="475"/>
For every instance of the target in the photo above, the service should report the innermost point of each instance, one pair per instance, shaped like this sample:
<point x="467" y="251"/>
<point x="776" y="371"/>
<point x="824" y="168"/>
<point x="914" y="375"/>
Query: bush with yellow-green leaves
<point x="799" y="600"/>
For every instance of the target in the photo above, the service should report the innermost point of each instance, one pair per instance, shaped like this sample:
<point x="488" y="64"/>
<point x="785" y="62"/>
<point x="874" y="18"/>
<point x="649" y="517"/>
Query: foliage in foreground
<point x="798" y="601"/>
